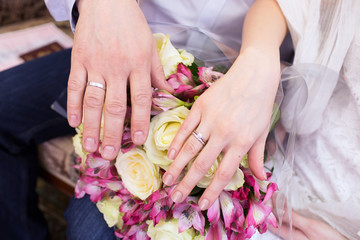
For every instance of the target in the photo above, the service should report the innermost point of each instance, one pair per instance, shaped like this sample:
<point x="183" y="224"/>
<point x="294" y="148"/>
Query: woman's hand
<point x="113" y="45"/>
<point x="305" y="228"/>
<point x="233" y="117"/>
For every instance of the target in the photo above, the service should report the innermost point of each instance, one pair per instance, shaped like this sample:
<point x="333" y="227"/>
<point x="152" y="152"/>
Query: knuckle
<point x="142" y="99"/>
<point x="243" y="142"/>
<point x="224" y="175"/>
<point x="200" y="167"/>
<point x="74" y="84"/>
<point x="73" y="106"/>
<point x="190" y="148"/>
<point x="115" y="108"/>
<point x="93" y="101"/>
<point x="175" y="168"/>
<point x="111" y="137"/>
<point x="186" y="127"/>
<point x="186" y="186"/>
<point x="90" y="130"/>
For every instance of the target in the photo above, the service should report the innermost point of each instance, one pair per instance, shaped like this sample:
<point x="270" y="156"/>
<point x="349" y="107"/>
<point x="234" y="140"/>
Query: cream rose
<point x="169" y="56"/>
<point x="109" y="207"/>
<point x="168" y="231"/>
<point x="163" y="128"/>
<point x="237" y="179"/>
<point x="140" y="176"/>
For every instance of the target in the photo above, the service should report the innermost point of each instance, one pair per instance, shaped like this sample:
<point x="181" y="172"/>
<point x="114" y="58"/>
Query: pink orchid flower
<point x="97" y="166"/>
<point x="126" y="141"/>
<point x="189" y="214"/>
<point x="134" y="232"/>
<point x="213" y="213"/>
<point x="184" y="85"/>
<point x="238" y="218"/>
<point x="241" y="194"/>
<point x="216" y="232"/>
<point x="258" y="212"/>
<point x="208" y="76"/>
<point x="163" y="100"/>
<point x="160" y="204"/>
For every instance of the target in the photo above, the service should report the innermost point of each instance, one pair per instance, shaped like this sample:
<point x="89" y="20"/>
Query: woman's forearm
<point x="264" y="28"/>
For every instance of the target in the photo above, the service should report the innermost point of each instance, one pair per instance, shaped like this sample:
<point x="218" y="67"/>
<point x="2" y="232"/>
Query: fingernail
<point x="90" y="144"/>
<point x="73" y="120"/>
<point x="204" y="204"/>
<point x="168" y="179"/>
<point x="176" y="197"/>
<point x="108" y="152"/>
<point x="138" y="137"/>
<point x="171" y="154"/>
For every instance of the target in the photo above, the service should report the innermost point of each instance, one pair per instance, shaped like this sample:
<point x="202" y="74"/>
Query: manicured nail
<point x="204" y="204"/>
<point x="176" y="197"/>
<point x="73" y="120"/>
<point x="108" y="152"/>
<point x="168" y="179"/>
<point x="90" y="144"/>
<point x="171" y="154"/>
<point x="138" y="137"/>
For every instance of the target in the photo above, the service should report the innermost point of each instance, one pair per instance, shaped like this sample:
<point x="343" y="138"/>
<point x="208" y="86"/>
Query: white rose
<point x="140" y="176"/>
<point x="187" y="58"/>
<point x="168" y="231"/>
<point x="236" y="181"/>
<point x="199" y="237"/>
<point x="109" y="207"/>
<point x="163" y="128"/>
<point x="169" y="56"/>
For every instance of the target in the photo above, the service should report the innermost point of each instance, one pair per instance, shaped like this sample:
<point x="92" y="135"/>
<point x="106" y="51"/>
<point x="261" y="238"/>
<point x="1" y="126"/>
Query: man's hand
<point x="113" y="46"/>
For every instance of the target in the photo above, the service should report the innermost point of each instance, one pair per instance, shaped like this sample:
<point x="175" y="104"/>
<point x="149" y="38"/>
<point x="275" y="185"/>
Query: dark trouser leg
<point x="26" y="119"/>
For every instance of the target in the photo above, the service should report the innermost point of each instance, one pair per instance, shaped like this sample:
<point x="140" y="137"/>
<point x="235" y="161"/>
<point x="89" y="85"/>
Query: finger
<point x="157" y="72"/>
<point x="198" y="169"/>
<point x="285" y="233"/>
<point x="93" y="106"/>
<point x="187" y="127"/>
<point x="223" y="175"/>
<point x="114" y="114"/>
<point x="190" y="149"/>
<point x="256" y="158"/>
<point x="300" y="221"/>
<point x="75" y="93"/>
<point x="140" y="88"/>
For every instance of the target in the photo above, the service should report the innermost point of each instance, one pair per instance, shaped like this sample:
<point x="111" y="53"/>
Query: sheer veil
<point x="318" y="109"/>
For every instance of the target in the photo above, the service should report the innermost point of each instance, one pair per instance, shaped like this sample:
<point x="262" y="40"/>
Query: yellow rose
<point x="168" y="231"/>
<point x="140" y="176"/>
<point x="236" y="181"/>
<point x="109" y="207"/>
<point x="169" y="56"/>
<point x="163" y="128"/>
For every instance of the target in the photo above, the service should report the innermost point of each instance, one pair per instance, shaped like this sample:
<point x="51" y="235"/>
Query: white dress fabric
<point x="320" y="174"/>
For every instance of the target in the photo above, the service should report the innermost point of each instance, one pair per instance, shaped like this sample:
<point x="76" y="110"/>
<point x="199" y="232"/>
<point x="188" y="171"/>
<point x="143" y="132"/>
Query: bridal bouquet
<point x="129" y="191"/>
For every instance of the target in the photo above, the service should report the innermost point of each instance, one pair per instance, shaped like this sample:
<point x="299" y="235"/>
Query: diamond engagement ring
<point x="199" y="137"/>
<point x="96" y="84"/>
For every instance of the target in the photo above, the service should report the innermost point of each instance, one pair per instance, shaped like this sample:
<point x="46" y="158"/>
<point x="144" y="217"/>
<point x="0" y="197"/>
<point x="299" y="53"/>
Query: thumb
<point x="256" y="158"/>
<point x="157" y="72"/>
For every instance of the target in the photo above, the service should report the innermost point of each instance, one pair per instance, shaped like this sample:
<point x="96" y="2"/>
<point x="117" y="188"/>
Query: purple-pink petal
<point x="213" y="213"/>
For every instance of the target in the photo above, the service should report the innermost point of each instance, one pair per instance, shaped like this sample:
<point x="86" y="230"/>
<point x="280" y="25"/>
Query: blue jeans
<point x="26" y="119"/>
